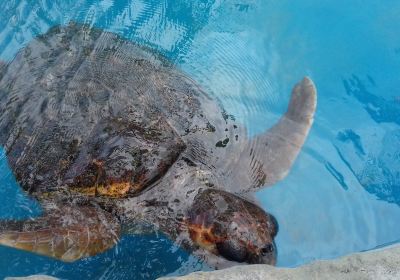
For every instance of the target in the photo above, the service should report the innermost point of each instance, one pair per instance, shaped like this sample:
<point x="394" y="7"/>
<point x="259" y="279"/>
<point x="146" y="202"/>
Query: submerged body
<point x="111" y="138"/>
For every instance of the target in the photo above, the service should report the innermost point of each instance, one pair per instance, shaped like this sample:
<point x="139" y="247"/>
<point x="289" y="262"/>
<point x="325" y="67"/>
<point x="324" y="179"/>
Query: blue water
<point x="343" y="193"/>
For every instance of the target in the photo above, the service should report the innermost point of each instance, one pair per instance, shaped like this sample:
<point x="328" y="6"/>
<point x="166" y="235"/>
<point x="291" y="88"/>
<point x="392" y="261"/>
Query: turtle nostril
<point x="267" y="249"/>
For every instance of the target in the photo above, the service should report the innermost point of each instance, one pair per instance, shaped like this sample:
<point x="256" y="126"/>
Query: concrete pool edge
<point x="383" y="263"/>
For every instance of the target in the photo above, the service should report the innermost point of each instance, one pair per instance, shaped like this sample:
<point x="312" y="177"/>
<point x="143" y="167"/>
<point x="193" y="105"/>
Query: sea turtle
<point x="111" y="138"/>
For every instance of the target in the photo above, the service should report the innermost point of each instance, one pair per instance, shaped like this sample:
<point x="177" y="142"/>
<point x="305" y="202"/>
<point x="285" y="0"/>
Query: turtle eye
<point x="269" y="248"/>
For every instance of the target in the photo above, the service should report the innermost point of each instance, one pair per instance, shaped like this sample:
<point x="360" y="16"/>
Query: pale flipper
<point x="67" y="233"/>
<point x="268" y="157"/>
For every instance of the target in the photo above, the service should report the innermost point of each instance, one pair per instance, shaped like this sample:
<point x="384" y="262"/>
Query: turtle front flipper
<point x="268" y="157"/>
<point x="67" y="233"/>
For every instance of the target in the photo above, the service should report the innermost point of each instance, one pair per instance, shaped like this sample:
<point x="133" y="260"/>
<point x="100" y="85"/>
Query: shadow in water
<point x="380" y="109"/>
<point x="377" y="170"/>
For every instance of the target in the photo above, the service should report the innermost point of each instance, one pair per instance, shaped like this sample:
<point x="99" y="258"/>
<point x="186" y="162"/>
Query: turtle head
<point x="232" y="227"/>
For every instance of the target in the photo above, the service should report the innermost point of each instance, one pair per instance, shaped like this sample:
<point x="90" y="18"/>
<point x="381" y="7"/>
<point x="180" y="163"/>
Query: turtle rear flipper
<point x="67" y="233"/>
<point x="268" y="157"/>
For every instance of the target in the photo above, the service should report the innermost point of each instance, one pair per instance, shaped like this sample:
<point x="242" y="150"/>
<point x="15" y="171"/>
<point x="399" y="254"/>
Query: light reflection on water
<point x="343" y="194"/>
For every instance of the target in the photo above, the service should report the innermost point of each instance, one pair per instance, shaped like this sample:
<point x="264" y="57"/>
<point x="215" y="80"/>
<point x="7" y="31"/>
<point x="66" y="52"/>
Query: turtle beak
<point x="267" y="255"/>
<point x="234" y="251"/>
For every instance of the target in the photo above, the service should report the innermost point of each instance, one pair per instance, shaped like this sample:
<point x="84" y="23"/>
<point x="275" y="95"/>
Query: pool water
<point x="343" y="193"/>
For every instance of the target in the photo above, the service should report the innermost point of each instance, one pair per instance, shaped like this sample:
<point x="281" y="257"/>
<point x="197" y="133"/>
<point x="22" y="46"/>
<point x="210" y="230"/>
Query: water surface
<point x="343" y="193"/>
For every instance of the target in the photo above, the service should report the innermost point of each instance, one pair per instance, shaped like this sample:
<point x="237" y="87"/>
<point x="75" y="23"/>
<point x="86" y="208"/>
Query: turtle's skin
<point x="111" y="138"/>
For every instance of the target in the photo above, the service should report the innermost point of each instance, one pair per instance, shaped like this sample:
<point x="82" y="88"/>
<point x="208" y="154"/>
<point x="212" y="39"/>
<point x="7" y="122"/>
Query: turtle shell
<point x="80" y="110"/>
